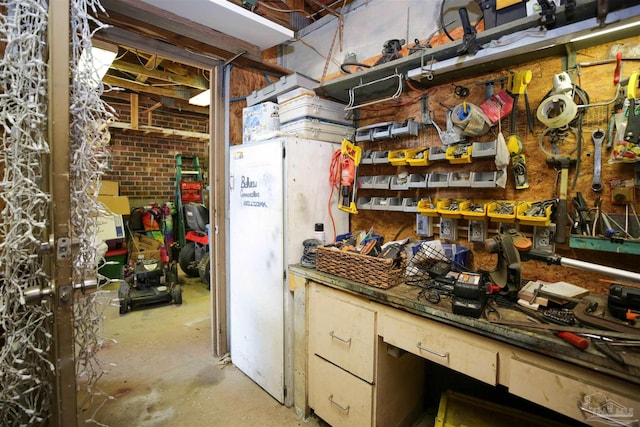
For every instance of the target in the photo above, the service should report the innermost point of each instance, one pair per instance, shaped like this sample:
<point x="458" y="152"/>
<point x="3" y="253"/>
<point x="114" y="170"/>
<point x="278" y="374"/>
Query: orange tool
<point x="618" y="70"/>
<point x="573" y="339"/>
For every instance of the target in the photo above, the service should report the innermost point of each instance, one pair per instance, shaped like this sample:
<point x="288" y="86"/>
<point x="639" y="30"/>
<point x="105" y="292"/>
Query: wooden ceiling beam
<point x="146" y="88"/>
<point x="193" y="80"/>
<point x="153" y="61"/>
<point x="165" y="102"/>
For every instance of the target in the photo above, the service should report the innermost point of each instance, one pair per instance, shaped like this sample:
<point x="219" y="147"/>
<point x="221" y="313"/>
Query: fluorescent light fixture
<point x="203" y="99"/>
<point x="605" y="31"/>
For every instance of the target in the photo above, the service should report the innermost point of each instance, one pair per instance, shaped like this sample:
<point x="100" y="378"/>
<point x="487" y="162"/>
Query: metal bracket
<point x="63" y="248"/>
<point x="396" y="94"/>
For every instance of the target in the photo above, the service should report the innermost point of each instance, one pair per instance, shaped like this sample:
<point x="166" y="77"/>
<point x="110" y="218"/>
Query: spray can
<point x="319" y="232"/>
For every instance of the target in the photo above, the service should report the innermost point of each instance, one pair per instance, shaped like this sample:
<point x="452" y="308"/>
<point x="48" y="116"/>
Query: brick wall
<point x="144" y="165"/>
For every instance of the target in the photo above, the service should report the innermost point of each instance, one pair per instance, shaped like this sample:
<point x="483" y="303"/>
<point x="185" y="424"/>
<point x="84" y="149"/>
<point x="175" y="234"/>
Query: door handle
<point x="339" y="406"/>
<point x="420" y="347"/>
<point x="334" y="336"/>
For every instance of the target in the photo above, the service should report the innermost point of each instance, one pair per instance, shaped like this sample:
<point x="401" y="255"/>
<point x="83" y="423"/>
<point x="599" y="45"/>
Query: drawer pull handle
<point x="420" y="347"/>
<point x="347" y="341"/>
<point x="339" y="406"/>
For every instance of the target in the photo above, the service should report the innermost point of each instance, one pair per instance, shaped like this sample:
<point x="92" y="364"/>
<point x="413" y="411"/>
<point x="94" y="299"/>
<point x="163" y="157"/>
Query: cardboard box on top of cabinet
<point x="260" y="122"/>
<point x="116" y="204"/>
<point x="109" y="188"/>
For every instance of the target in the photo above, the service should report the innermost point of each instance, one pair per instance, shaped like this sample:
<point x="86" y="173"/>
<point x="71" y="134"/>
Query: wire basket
<point x="434" y="259"/>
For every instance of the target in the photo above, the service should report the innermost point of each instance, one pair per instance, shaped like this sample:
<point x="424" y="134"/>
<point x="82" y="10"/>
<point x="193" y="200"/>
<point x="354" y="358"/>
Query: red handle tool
<point x="574" y="340"/>
<point x="616" y="73"/>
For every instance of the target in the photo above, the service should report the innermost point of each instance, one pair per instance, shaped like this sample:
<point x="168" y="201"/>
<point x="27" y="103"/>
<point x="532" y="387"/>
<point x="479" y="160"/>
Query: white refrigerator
<point x="278" y="190"/>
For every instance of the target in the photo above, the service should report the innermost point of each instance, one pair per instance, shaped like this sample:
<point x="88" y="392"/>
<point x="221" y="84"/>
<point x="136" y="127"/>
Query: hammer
<point x="561" y="212"/>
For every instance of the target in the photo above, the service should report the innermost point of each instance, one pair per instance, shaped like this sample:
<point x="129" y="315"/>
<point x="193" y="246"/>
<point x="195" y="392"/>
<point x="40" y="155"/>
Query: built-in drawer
<point x="338" y="397"/>
<point x="459" y="350"/>
<point x="588" y="397"/>
<point x="342" y="332"/>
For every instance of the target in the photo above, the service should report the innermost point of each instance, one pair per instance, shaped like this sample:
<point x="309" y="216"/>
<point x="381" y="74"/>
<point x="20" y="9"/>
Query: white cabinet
<point x="353" y="379"/>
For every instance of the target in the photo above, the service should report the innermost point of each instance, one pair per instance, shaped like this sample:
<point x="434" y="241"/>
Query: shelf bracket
<point x="370" y="88"/>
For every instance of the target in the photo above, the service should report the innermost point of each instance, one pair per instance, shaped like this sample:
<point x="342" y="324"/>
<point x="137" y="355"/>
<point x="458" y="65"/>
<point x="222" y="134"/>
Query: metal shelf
<point x="449" y="66"/>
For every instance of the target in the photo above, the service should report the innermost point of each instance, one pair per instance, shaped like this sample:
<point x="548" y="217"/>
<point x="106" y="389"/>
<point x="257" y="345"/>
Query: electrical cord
<point x="334" y="183"/>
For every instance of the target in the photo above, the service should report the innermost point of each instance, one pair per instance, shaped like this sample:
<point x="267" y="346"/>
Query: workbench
<point x="359" y="355"/>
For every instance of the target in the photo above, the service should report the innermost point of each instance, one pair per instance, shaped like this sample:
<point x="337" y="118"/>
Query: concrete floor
<point x="161" y="373"/>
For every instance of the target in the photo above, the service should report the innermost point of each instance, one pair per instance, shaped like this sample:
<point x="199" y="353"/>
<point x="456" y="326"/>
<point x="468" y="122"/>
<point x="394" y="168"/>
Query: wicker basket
<point x="379" y="272"/>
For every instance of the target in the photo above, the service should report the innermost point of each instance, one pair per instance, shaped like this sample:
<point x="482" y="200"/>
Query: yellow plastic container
<point x="457" y="159"/>
<point x="467" y="212"/>
<point x="536" y="221"/>
<point x="413" y="152"/>
<point x="445" y="205"/>
<point x="398" y="157"/>
<point x="494" y="216"/>
<point x="428" y="207"/>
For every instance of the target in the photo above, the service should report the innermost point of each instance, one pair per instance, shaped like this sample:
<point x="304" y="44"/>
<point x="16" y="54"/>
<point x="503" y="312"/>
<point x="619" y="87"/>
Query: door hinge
<point x="284" y="153"/>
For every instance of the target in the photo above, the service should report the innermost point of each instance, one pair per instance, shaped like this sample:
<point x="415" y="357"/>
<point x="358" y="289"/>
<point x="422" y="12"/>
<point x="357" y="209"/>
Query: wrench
<point x="597" y="136"/>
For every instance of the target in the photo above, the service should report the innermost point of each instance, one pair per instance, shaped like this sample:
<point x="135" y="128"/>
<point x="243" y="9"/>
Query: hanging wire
<point x="25" y="335"/>
<point x="89" y="159"/>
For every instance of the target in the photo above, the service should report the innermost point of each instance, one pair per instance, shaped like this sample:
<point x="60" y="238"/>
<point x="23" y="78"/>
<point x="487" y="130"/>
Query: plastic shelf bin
<point x="410" y="204"/>
<point x="437" y="153"/>
<point x="366" y="182"/>
<point x="459" y="154"/>
<point x="419" y="157"/>
<point x="381" y="131"/>
<point x="116" y="260"/>
<point x="484" y="149"/>
<point x="380" y="157"/>
<point x="459" y="179"/>
<point x="380" y="203"/>
<point x="363" y="135"/>
<point x="502" y="211"/>
<point x="394" y="204"/>
<point x="367" y="157"/>
<point x="410" y="127"/>
<point x="428" y="207"/>
<point x="438" y="180"/>
<point x="484" y="179"/>
<point x="538" y="221"/>
<point x="398" y="157"/>
<point x="398" y="184"/>
<point x="382" y="182"/>
<point x="450" y="208"/>
<point x="363" y="203"/>
<point x="475" y="210"/>
<point x="418" y="180"/>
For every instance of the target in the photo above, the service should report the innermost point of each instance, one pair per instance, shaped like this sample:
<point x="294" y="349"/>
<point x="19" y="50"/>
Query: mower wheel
<point x="125" y="303"/>
<point x="176" y="293"/>
<point x="203" y="270"/>
<point x="187" y="259"/>
<point x="123" y="297"/>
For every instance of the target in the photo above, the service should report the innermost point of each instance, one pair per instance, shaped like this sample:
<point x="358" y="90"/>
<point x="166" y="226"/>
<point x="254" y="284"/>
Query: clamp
<point x="517" y="86"/>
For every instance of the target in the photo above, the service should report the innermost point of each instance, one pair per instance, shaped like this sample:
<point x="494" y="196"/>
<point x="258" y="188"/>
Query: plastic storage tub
<point x="311" y="128"/>
<point x="314" y="107"/>
<point x="116" y="258"/>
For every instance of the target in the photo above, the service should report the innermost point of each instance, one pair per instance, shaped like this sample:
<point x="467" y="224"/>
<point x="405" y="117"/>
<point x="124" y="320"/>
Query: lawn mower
<point x="147" y="282"/>
<point x="194" y="256"/>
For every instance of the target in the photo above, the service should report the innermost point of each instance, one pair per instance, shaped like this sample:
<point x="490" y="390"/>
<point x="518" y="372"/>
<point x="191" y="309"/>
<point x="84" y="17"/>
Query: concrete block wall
<point x="144" y="164"/>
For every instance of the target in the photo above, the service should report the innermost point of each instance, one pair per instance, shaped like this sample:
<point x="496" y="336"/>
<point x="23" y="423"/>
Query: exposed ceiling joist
<point x="177" y="92"/>
<point x="192" y="80"/>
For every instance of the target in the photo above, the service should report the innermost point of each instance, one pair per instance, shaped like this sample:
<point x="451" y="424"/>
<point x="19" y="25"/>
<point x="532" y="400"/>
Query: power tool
<point x="350" y="156"/>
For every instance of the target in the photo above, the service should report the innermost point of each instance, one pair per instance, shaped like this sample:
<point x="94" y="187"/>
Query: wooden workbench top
<point x="405" y="297"/>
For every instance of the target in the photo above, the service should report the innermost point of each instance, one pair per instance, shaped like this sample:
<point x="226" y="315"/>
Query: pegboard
<point x="597" y="81"/>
